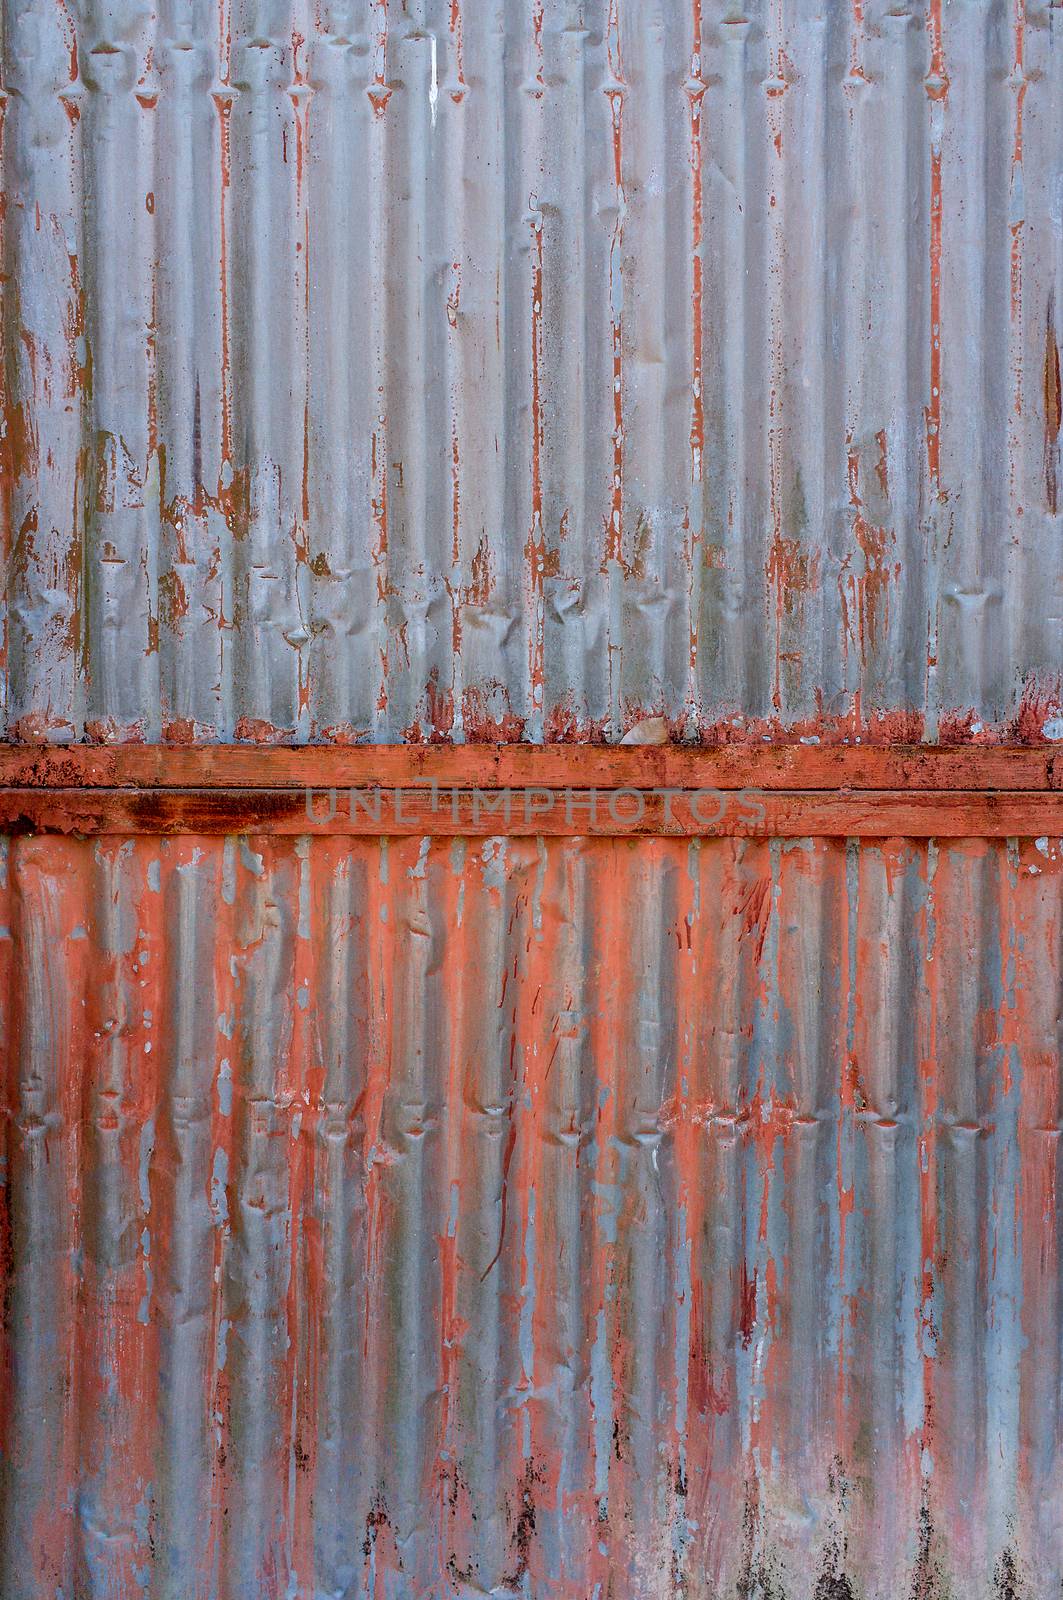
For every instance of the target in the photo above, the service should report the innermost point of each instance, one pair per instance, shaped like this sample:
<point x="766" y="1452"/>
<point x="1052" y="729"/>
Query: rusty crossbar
<point x="771" y="791"/>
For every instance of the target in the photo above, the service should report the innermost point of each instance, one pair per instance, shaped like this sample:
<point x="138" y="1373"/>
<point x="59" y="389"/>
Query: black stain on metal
<point x="1006" y="1582"/>
<point x="524" y="1530"/>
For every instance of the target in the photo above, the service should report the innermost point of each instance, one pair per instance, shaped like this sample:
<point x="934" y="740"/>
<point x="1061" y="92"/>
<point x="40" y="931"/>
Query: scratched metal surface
<point x="514" y="370"/>
<point x="569" y="1219"/>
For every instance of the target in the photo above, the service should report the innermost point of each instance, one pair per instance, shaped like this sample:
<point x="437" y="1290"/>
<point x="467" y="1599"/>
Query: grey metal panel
<point x="458" y="371"/>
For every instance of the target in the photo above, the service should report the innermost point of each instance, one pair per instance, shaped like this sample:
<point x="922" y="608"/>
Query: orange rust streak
<point x="614" y="543"/>
<point x="604" y="1030"/>
<point x="221" y="1198"/>
<point x="531" y="1027"/>
<point x="535" y="549"/>
<point x="447" y="1487"/>
<point x="928" y="1176"/>
<point x="305" y="1087"/>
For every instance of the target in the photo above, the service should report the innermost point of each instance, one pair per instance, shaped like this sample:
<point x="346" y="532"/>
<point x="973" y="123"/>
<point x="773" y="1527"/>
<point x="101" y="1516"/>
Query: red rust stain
<point x="173" y="601"/>
<point x="485" y="725"/>
<point x="70" y="30"/>
<point x="705" y="1395"/>
<point x="792" y="570"/>
<point x="79" y="360"/>
<point x="1053" y="395"/>
<point x="865" y="595"/>
<point x="754" y="909"/>
<point x="179" y="731"/>
<point x="478" y="592"/>
<point x="882" y="464"/>
<point x="747" y="1304"/>
<point x="1040" y="701"/>
<point x="255" y="730"/>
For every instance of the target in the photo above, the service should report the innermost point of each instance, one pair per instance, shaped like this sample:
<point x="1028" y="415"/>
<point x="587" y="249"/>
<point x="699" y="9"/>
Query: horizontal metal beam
<point x="535" y="809"/>
<point x="780" y="791"/>
<point x="795" y="767"/>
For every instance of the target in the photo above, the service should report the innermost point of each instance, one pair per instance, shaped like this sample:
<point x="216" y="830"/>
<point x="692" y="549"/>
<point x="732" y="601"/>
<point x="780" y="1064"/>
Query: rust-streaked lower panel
<point x="558" y="1217"/>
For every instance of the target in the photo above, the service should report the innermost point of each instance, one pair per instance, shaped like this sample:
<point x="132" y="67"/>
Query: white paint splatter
<point x="433" y="92"/>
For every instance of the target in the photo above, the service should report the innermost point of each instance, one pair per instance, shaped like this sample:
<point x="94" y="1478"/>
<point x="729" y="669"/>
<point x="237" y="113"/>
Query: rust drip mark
<point x="937" y="87"/>
<point x="754" y="908"/>
<point x="747" y="1304"/>
<point x="379" y="507"/>
<point x="67" y="24"/>
<point x="695" y="89"/>
<point x="223" y="100"/>
<point x="856" y="39"/>
<point x="300" y="93"/>
<point x="79" y="362"/>
<point x="615" y="90"/>
<point x="867" y="593"/>
<point x="1053" y="408"/>
<point x="537" y="37"/>
<point x="458" y="35"/>
<point x="535" y="549"/>
<point x="152" y="356"/>
<point x="231" y="501"/>
<point x="478" y="592"/>
<point x="1017" y="227"/>
<point x="379" y="91"/>
<point x="453" y="1327"/>
<point x="303" y="1074"/>
<point x="453" y="583"/>
<point x="1019" y="77"/>
<point x="793" y="571"/>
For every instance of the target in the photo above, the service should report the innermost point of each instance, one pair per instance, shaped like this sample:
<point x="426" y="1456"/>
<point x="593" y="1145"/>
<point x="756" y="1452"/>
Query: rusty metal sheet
<point x="439" y="371"/>
<point x="577" y="1218"/>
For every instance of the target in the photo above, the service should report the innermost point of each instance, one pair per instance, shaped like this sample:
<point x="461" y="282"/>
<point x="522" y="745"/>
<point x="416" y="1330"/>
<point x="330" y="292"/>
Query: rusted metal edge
<point x="961" y="769"/>
<point x="534" y="810"/>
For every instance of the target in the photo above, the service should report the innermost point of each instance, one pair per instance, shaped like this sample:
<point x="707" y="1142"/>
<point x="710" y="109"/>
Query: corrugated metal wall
<point x="575" y="1219"/>
<point x="438" y="370"/>
<point x="566" y="1218"/>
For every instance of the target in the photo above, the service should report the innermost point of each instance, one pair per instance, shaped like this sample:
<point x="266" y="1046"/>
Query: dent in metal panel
<point x="512" y="1216"/>
<point x="427" y="373"/>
